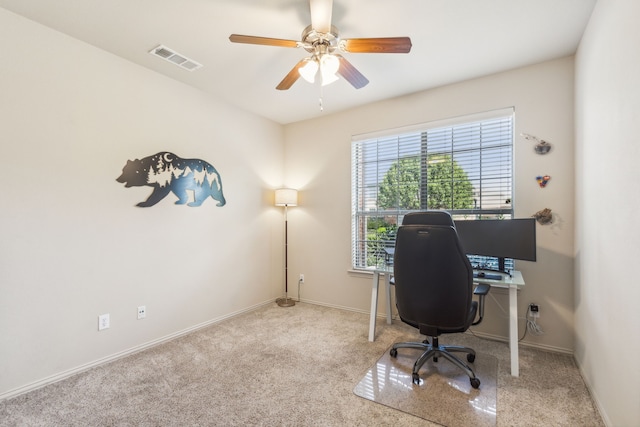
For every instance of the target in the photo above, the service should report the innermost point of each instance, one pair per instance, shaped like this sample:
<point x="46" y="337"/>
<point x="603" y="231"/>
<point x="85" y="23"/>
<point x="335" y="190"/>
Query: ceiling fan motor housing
<point x="319" y="43"/>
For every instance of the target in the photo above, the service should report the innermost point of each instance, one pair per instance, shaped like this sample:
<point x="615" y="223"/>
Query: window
<point x="465" y="168"/>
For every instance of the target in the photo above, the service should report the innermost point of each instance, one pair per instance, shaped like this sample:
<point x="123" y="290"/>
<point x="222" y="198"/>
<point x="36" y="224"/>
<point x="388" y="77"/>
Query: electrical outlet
<point x="103" y="321"/>
<point x="142" y="312"/>
<point x="301" y="280"/>
<point x="534" y="309"/>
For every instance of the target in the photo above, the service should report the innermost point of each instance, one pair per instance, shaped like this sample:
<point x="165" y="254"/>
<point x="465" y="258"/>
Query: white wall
<point x="73" y="244"/>
<point x="607" y="230"/>
<point x="318" y="162"/>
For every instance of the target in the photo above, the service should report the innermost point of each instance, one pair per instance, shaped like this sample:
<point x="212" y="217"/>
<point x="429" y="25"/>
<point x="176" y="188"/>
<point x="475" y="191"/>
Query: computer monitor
<point x="500" y="238"/>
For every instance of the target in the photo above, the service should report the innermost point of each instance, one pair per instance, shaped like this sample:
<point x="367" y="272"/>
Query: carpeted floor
<point x="295" y="366"/>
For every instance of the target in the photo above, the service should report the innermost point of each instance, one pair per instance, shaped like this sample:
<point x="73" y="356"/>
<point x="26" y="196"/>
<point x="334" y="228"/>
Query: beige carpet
<point x="444" y="394"/>
<point x="293" y="366"/>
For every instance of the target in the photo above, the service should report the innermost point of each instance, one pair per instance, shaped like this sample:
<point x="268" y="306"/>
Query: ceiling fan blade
<point x="377" y="45"/>
<point x="239" y="38"/>
<point x="321" y="15"/>
<point x="350" y="74"/>
<point x="292" y="77"/>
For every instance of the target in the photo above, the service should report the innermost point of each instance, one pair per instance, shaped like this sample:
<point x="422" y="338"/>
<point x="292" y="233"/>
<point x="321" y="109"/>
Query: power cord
<point x="299" y="281"/>
<point x="532" y="326"/>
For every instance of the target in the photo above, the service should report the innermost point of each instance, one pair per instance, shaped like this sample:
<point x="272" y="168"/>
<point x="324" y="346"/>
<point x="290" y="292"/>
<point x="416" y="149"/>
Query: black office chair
<point x="428" y="218"/>
<point x="434" y="288"/>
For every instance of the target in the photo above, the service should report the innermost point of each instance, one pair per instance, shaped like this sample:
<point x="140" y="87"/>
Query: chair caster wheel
<point x="416" y="379"/>
<point x="471" y="358"/>
<point x="475" y="383"/>
<point x="393" y="352"/>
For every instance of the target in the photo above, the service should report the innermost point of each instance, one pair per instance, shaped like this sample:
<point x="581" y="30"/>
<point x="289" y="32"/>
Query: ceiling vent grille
<point x="175" y="58"/>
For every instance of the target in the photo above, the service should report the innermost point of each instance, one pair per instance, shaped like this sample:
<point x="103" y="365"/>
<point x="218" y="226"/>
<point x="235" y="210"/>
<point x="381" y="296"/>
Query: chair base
<point x="433" y="351"/>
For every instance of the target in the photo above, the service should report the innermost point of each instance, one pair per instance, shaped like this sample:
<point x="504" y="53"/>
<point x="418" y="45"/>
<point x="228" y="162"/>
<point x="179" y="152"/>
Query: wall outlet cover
<point x="103" y="322"/>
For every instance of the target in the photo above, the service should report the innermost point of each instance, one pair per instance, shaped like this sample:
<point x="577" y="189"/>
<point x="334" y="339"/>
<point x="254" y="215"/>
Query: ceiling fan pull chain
<point x="320" y="100"/>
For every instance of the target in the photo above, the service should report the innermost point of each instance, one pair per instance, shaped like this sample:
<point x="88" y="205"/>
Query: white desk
<point x="513" y="283"/>
<point x="386" y="272"/>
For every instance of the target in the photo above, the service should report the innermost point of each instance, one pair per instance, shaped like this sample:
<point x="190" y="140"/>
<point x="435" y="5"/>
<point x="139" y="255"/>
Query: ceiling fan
<point x="322" y="41"/>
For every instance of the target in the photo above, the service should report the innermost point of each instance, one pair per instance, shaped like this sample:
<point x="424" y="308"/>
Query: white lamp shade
<point x="328" y="78"/>
<point x="286" y="197"/>
<point x="329" y="65"/>
<point x="308" y="70"/>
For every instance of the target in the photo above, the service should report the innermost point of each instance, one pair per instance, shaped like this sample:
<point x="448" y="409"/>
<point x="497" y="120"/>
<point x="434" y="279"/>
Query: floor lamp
<point x="286" y="197"/>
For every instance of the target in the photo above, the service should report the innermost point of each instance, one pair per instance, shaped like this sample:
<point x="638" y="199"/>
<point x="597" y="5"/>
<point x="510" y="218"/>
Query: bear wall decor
<point x="168" y="173"/>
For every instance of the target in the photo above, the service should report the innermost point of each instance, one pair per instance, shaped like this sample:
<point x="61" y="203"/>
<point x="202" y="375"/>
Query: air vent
<point x="175" y="58"/>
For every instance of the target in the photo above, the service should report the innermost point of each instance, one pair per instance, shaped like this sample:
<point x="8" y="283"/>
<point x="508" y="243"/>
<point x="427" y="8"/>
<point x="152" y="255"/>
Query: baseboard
<point x="339" y="307"/>
<point x="523" y="343"/>
<point x="596" y="400"/>
<point x="74" y="371"/>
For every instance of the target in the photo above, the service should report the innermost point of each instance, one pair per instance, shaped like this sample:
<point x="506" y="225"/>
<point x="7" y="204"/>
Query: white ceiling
<point x="453" y="40"/>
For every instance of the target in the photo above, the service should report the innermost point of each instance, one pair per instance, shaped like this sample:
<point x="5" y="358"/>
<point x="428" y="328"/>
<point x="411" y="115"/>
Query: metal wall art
<point x="544" y="216"/>
<point x="188" y="179"/>
<point x="543" y="180"/>
<point x="542" y="146"/>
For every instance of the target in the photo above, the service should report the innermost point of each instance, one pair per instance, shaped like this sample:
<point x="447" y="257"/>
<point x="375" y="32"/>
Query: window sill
<point x="360" y="272"/>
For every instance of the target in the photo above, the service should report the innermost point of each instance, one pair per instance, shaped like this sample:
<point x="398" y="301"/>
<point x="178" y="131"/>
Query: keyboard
<point x="488" y="276"/>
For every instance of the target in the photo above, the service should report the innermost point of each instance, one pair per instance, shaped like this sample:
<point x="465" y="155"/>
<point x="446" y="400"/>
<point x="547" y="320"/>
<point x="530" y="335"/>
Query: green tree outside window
<point x="447" y="184"/>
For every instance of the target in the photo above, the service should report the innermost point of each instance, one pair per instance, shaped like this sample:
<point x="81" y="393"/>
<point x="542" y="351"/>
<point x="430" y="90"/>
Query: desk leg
<point x="513" y="330"/>
<point x="387" y="287"/>
<point x="374" y="306"/>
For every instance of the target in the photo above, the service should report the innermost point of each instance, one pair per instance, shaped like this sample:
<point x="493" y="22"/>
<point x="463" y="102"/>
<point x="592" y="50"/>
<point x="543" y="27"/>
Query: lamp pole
<point x="286" y="197"/>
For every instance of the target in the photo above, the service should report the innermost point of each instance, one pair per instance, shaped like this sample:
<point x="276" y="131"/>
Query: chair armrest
<point x="481" y="289"/>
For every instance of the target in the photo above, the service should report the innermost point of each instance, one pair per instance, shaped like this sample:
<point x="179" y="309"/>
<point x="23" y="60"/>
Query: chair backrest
<point x="428" y="218"/>
<point x="433" y="279"/>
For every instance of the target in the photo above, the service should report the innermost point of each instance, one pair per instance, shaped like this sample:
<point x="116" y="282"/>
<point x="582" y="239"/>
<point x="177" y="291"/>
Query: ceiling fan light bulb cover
<point x="329" y="64"/>
<point x="328" y="78"/>
<point x="308" y="71"/>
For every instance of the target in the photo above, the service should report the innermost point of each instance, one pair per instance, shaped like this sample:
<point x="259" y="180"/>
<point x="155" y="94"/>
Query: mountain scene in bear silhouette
<point x="188" y="179"/>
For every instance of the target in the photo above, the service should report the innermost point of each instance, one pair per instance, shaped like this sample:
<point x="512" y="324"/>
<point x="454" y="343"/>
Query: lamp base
<point x="285" y="302"/>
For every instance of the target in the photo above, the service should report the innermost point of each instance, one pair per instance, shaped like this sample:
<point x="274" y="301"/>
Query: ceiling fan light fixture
<point x="321" y="40"/>
<point x="327" y="79"/>
<point x="329" y="65"/>
<point x="309" y="70"/>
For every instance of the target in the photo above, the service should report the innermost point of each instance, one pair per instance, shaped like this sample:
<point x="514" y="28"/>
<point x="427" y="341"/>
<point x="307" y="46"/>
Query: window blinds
<point x="465" y="168"/>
